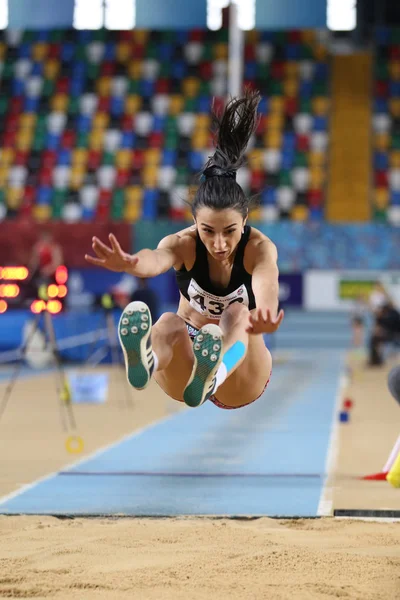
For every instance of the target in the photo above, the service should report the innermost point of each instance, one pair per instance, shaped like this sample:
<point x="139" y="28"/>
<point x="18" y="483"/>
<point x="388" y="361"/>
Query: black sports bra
<point x="207" y="298"/>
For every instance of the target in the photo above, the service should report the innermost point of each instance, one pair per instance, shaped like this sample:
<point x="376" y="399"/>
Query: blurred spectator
<point x="46" y="257"/>
<point x="148" y="296"/>
<point x="359" y="315"/>
<point x="378" y="297"/>
<point x="386" y="330"/>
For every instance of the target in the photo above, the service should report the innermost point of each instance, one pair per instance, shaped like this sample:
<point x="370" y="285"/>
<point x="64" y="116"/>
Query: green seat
<point x="263" y="72"/>
<point x="2" y="196"/>
<point x="100" y="35"/>
<point x="73" y="106"/>
<point x="118" y="205"/>
<point x="205" y="88"/>
<point x="59" y="199"/>
<point x="395" y="36"/>
<point x="285" y="178"/>
<point x="380" y="215"/>
<point x="275" y="88"/>
<point x="182" y="176"/>
<point x="8" y="69"/>
<point x="307" y="52"/>
<point x="190" y="105"/>
<point x="108" y="158"/>
<point x="396" y="142"/>
<point x="320" y="88"/>
<point x="93" y="71"/>
<point x="165" y="70"/>
<point x="39" y="141"/>
<point x="3" y="105"/>
<point x="82" y="140"/>
<point x="28" y="37"/>
<point x="171" y="142"/>
<point x="168" y="36"/>
<point x="208" y="52"/>
<point x="151" y="50"/>
<point x="48" y="88"/>
<point x="171" y="125"/>
<point x="133" y="86"/>
<point x="80" y="53"/>
<point x="56" y="36"/>
<point x="301" y="159"/>
<point x="382" y="70"/>
<point x="305" y="106"/>
<point x="222" y="35"/>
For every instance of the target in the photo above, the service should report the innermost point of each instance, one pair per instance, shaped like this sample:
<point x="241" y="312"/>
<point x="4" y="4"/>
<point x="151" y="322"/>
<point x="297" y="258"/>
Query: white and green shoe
<point x="134" y="332"/>
<point x="207" y="349"/>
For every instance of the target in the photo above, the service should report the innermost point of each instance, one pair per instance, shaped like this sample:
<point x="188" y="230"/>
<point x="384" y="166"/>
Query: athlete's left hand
<point x="261" y="321"/>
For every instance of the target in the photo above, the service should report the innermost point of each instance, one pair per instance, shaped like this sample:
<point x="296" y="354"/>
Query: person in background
<point x="378" y="297"/>
<point x="47" y="255"/>
<point x="359" y="315"/>
<point x="385" y="330"/>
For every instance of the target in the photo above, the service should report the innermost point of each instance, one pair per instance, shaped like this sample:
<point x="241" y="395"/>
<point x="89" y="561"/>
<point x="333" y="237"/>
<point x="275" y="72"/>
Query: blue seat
<point x="78" y="70"/>
<point x="31" y="104"/>
<point x="381" y="161"/>
<point x="293" y="51"/>
<point x="263" y="107"/>
<point x="67" y="52"/>
<point x="52" y="141"/>
<point x="42" y="35"/>
<point x="182" y="36"/>
<point x="84" y="123"/>
<point x="165" y="51"/>
<point x="77" y="87"/>
<point x="44" y="195"/>
<point x="24" y="50"/>
<point x="150" y="202"/>
<point x="64" y="157"/>
<point x="289" y="141"/>
<point x="395" y="198"/>
<point x="306" y="89"/>
<point x="128" y="139"/>
<point x="382" y="36"/>
<point x="37" y="68"/>
<point x="203" y="104"/>
<point x="88" y="214"/>
<point x="250" y="70"/>
<point x="394" y="88"/>
<point x="178" y="69"/>
<point x="84" y="36"/>
<point x="268" y="196"/>
<point x="146" y="88"/>
<point x="321" y="70"/>
<point x="316" y="214"/>
<point x="287" y="161"/>
<point x="380" y="105"/>
<point x="109" y="51"/>
<point x="159" y="123"/>
<point x="320" y="124"/>
<point x="117" y="106"/>
<point x="196" y="160"/>
<point x="18" y="87"/>
<point x="169" y="158"/>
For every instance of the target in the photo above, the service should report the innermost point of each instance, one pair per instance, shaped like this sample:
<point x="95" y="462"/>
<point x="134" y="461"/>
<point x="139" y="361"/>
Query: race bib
<point x="212" y="306"/>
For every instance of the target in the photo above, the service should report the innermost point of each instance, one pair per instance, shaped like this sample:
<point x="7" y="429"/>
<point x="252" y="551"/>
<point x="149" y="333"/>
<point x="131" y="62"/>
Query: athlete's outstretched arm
<point x="145" y="263"/>
<point x="266" y="289"/>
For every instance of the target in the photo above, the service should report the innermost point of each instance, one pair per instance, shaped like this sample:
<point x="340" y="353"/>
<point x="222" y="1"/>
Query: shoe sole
<point x="134" y="331"/>
<point x="207" y="349"/>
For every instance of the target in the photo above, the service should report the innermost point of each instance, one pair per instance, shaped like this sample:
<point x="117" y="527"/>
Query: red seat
<point x="394" y="52"/>
<point x="29" y="195"/>
<point x="218" y="104"/>
<point x="11" y="122"/>
<point x="124" y="36"/>
<point x="137" y="160"/>
<point x="21" y="157"/>
<point x="294" y="37"/>
<point x="257" y="181"/>
<point x="250" y="84"/>
<point x="138" y="51"/>
<point x="261" y="125"/>
<point x="127" y="123"/>
<point x="196" y="35"/>
<point x="162" y="86"/>
<point x="94" y="159"/>
<point x="277" y="69"/>
<point x="103" y="212"/>
<point x="315" y="198"/>
<point x="49" y="158"/>
<point x="206" y="71"/>
<point x="108" y="68"/>
<point x="381" y="179"/>
<point x="9" y="139"/>
<point x="291" y="106"/>
<point x="103" y="104"/>
<point x="17" y="105"/>
<point x="122" y="178"/>
<point x="156" y="139"/>
<point x="62" y="85"/>
<point x="104" y="197"/>
<point x="177" y="214"/>
<point x="249" y="52"/>
<point x="54" y="51"/>
<point x="302" y="143"/>
<point x="382" y="89"/>
<point x="68" y="139"/>
<point x="45" y="176"/>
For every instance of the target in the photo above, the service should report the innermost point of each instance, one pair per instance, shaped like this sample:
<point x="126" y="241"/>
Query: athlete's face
<point x="219" y="230"/>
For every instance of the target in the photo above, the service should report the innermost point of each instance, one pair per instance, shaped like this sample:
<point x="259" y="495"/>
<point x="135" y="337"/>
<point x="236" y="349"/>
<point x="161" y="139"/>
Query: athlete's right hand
<point x="112" y="258"/>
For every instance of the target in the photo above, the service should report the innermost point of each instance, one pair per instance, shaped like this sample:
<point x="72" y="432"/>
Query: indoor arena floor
<point x="146" y="456"/>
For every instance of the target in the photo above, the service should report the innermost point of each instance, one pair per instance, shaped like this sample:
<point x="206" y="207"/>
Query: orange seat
<point x="51" y="68"/>
<point x="202" y="121"/>
<point x="24" y="138"/>
<point x="394" y="159"/>
<point x="191" y="86"/>
<point x="381" y="198"/>
<point x="273" y="139"/>
<point x="299" y="213"/>
<point x="308" y="36"/>
<point x="320" y="52"/>
<point x="133" y="195"/>
<point x="103" y="86"/>
<point x="292" y="69"/>
<point x="76" y="177"/>
<point x="316" y="159"/>
<point x="96" y="139"/>
<point x="140" y="36"/>
<point x="317" y="178"/>
<point x="27" y="120"/>
<point x="256" y="159"/>
<point x="382" y="141"/>
<point x="291" y="87"/>
<point x="3" y="50"/>
<point x="276" y="121"/>
<point x="394" y="70"/>
<point x="200" y="140"/>
<point x="394" y="107"/>
<point x="221" y="51"/>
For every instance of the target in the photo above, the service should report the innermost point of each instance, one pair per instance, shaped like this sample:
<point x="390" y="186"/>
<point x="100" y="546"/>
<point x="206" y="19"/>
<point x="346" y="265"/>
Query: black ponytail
<point x="233" y="129"/>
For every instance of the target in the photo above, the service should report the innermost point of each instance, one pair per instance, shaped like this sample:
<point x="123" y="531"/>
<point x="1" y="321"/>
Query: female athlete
<point x="213" y="348"/>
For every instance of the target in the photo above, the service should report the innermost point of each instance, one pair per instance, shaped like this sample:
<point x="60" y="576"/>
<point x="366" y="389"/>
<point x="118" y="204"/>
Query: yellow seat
<point x="255" y="214"/>
<point x="77" y="176"/>
<point x="41" y="212"/>
<point x="123" y="52"/>
<point x="255" y="159"/>
<point x="273" y="139"/>
<point x="152" y="156"/>
<point x="394" y="70"/>
<point x="382" y="141"/>
<point x="133" y="104"/>
<point x="308" y="36"/>
<point x="24" y="137"/>
<point x="133" y="195"/>
<point x="3" y="175"/>
<point x="394" y="107"/>
<point x="39" y="51"/>
<point x="132" y="213"/>
<point x="96" y="139"/>
<point x="140" y="36"/>
<point x="24" y="144"/>
<point x="100" y="120"/>
<point x="150" y="176"/>
<point x="3" y="49"/>
<point x="27" y="120"/>
<point x="221" y="51"/>
<point x="103" y="86"/>
<point x="123" y="159"/>
<point x="320" y="106"/>
<point x="59" y="102"/>
<point x="394" y="159"/>
<point x="316" y="159"/>
<point x="51" y="68"/>
<point x="291" y="87"/>
<point x="381" y="198"/>
<point x="276" y="104"/>
<point x="200" y="140"/>
<point x="299" y="213"/>
<point x="6" y="156"/>
<point x="79" y="157"/>
<point x="191" y="86"/>
<point x="276" y="121"/>
<point x="317" y="178"/>
<point x="14" y="197"/>
<point x="252" y="36"/>
<point x="320" y="52"/>
<point x="175" y="104"/>
<point x="291" y="69"/>
<point x="135" y="69"/>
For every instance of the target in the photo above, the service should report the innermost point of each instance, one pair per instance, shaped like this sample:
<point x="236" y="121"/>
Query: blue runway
<point x="266" y="459"/>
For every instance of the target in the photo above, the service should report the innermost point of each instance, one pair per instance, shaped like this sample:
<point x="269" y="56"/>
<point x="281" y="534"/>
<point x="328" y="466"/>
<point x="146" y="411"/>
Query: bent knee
<point x="236" y="312"/>
<point x="171" y="320"/>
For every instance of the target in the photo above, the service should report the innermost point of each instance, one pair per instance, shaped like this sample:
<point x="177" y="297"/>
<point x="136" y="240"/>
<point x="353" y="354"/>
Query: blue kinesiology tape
<point x="234" y="355"/>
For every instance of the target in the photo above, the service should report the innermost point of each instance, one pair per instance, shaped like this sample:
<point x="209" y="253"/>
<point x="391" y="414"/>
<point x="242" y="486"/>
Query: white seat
<point x="150" y="68"/>
<point x="112" y="140"/>
<point x="160" y="104"/>
<point x="88" y="104"/>
<point x="306" y="69"/>
<point x="319" y="141"/>
<point x="178" y="196"/>
<point x="72" y="212"/>
<point x="393" y="214"/>
<point x="89" y="195"/>
<point x="106" y="176"/>
<point x="381" y="122"/>
<point x="166" y="178"/>
<point x="219" y="86"/>
<point x="264" y="52"/>
<point x="193" y="52"/>
<point x="95" y="52"/>
<point x="143" y="123"/>
<point x="13" y="37"/>
<point x="22" y="68"/>
<point x="61" y="176"/>
<point x="300" y="178"/>
<point x="303" y="123"/>
<point x="56" y="122"/>
<point x="269" y="213"/>
<point x="3" y="211"/>
<point x="285" y="197"/>
<point x="272" y="160"/>
<point x="17" y="176"/>
<point x="394" y="179"/>
<point x="33" y="86"/>
<point x="186" y="123"/>
<point x="220" y="68"/>
<point x="119" y="86"/>
<point x="243" y="177"/>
